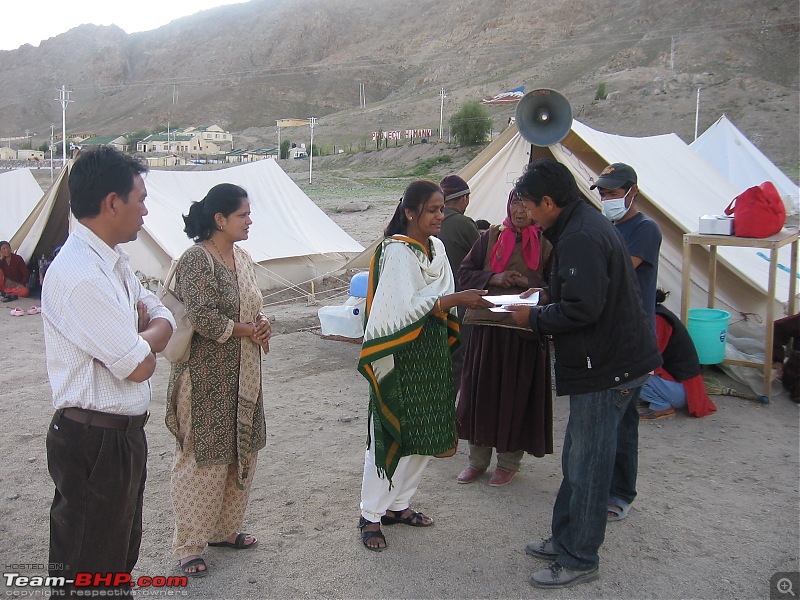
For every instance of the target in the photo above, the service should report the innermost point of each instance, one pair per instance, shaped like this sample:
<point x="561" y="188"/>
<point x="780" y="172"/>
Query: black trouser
<point x="96" y="515"/>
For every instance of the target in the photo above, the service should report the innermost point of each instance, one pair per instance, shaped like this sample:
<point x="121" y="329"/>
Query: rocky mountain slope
<point x="244" y="66"/>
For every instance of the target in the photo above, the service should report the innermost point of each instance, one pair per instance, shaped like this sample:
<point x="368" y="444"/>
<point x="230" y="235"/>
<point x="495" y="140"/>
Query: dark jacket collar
<point x="554" y="232"/>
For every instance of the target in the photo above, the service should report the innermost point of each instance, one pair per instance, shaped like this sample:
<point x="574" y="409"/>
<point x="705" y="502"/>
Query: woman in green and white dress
<point x="411" y="330"/>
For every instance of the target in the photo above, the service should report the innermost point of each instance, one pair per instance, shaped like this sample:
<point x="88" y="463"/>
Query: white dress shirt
<point x="89" y="299"/>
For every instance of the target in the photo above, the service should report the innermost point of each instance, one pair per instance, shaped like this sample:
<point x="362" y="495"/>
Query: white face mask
<point x="615" y="209"/>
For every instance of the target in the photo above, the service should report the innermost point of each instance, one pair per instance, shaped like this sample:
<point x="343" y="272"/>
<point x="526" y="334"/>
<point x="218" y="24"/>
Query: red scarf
<point x="501" y="253"/>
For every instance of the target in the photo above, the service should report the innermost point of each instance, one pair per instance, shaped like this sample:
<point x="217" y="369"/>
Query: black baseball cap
<point x="615" y="176"/>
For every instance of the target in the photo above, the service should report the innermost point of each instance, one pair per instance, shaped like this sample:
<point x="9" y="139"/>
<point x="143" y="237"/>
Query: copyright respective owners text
<point x="784" y="585"/>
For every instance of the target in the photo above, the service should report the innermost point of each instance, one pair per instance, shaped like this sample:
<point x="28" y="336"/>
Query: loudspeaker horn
<point x="544" y="117"/>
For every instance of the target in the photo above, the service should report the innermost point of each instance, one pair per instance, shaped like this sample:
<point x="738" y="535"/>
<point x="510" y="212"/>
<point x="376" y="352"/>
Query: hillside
<point x="244" y="66"/>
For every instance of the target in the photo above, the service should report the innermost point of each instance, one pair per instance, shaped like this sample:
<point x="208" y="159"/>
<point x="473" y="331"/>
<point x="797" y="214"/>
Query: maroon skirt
<point x="506" y="399"/>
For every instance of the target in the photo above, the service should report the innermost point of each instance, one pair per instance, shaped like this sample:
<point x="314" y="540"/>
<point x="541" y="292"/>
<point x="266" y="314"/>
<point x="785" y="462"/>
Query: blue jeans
<point x="587" y="464"/>
<point x="626" y="461"/>
<point x="661" y="394"/>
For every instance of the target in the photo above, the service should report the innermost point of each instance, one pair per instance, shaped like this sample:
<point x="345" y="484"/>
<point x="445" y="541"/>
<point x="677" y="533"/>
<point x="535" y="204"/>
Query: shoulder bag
<point x="758" y="212"/>
<point x="180" y="344"/>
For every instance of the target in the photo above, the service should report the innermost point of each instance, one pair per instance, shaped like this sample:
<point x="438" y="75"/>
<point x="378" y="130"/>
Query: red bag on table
<point x="758" y="212"/>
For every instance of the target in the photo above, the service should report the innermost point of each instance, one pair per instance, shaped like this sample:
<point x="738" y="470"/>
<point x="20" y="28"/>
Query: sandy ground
<point x="716" y="517"/>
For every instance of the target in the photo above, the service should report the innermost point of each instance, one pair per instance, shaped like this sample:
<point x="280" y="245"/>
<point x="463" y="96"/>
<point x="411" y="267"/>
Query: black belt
<point x="101" y="419"/>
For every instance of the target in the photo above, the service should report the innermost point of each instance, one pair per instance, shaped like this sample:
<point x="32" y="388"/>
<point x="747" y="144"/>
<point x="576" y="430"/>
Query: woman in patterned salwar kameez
<point x="215" y="408"/>
<point x="411" y="329"/>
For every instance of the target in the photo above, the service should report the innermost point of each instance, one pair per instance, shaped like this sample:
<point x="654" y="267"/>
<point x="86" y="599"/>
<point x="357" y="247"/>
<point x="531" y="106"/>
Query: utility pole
<point x="52" y="145"/>
<point x="672" y="54"/>
<point x="63" y="97"/>
<point x="697" y="114"/>
<point x="442" y="96"/>
<point x="311" y="122"/>
<point x="362" y="95"/>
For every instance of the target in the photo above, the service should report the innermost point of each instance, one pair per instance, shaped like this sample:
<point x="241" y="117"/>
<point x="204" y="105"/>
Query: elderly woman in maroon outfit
<point x="506" y="398"/>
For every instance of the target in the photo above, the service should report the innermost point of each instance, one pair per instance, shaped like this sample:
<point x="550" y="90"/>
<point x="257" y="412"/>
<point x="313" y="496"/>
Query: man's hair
<point x="97" y="173"/>
<point x="546" y="177"/>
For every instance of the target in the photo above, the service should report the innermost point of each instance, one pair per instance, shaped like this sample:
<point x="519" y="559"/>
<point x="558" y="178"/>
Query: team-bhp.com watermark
<point x="96" y="585"/>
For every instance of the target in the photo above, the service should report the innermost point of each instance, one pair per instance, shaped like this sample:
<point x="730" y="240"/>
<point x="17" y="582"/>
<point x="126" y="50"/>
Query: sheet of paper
<point x="503" y="301"/>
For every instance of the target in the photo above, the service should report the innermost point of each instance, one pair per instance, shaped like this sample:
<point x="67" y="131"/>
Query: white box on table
<point x="716" y="225"/>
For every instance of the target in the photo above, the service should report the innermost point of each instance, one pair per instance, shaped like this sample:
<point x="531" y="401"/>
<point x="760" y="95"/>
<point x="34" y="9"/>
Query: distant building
<point x="120" y="142"/>
<point x="298" y="151"/>
<point x="164" y="160"/>
<point x="8" y="154"/>
<point x="36" y="155"/>
<point x="211" y="133"/>
<point x="162" y="142"/>
<point x="205" y="141"/>
<point x="243" y="156"/>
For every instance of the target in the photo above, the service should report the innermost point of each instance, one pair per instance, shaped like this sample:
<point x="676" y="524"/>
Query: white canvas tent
<point x="19" y="193"/>
<point x="730" y="152"/>
<point x="47" y="225"/>
<point x="676" y="188"/>
<point x="291" y="238"/>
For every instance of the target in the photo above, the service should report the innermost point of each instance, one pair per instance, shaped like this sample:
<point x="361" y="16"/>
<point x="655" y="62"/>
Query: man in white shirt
<point x="102" y="329"/>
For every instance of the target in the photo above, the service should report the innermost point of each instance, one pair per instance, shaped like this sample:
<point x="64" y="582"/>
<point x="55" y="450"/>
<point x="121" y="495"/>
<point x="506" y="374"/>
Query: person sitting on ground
<point x="14" y="274"/>
<point x="678" y="383"/>
<point x="787" y="368"/>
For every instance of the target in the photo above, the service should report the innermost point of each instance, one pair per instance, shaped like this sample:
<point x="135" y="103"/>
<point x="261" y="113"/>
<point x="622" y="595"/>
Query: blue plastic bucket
<point x="708" y="328"/>
<point x="358" y="284"/>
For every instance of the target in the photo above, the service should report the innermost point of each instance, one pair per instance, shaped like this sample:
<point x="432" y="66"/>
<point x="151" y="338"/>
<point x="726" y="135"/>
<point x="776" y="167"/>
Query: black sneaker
<point x="559" y="576"/>
<point x="542" y="549"/>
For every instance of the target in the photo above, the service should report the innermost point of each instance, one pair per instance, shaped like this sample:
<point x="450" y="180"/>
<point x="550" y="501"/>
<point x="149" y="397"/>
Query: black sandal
<point x="368" y="535"/>
<point x="195" y="562"/>
<point x="415" y="519"/>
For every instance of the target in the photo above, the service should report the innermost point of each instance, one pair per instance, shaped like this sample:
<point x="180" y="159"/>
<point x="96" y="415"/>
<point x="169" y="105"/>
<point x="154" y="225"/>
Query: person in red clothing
<point x="14" y="274"/>
<point x="678" y="383"/>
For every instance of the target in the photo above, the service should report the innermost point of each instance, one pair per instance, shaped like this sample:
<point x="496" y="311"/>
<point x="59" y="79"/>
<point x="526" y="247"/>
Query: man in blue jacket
<point x="604" y="350"/>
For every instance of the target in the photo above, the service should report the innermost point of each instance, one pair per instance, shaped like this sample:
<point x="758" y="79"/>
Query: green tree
<point x="601" y="94"/>
<point x="471" y="124"/>
<point x="285" y="148"/>
<point x="135" y="137"/>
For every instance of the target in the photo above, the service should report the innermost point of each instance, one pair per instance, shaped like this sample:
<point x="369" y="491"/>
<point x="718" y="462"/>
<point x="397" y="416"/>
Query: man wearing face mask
<point x="618" y="189"/>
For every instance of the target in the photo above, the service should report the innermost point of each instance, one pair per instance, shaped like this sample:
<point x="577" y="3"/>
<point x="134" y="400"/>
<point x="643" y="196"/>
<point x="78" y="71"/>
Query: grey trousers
<point x="481" y="456"/>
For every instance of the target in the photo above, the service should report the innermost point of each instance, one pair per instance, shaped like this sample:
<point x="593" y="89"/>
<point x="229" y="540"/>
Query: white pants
<point x="376" y="497"/>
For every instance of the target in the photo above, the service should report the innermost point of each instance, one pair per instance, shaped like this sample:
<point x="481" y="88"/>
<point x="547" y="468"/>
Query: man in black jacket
<point x="604" y="350"/>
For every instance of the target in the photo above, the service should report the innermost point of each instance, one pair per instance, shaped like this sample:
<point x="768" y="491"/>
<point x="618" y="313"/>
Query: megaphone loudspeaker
<point x="544" y="117"/>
